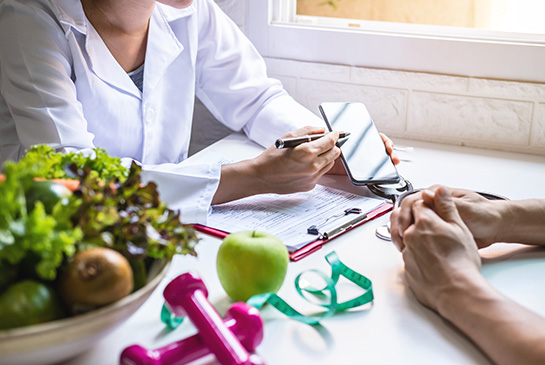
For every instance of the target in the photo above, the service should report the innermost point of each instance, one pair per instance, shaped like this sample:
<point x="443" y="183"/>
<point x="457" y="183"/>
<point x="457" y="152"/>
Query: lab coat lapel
<point x="162" y="49"/>
<point x="106" y="67"/>
<point x="101" y="61"/>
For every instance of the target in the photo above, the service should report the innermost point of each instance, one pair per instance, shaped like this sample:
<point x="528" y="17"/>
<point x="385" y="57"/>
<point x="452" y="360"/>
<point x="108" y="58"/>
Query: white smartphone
<point x="363" y="152"/>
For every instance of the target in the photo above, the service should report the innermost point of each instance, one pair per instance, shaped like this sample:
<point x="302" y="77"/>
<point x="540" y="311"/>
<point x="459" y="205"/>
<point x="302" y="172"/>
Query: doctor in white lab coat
<point x="123" y="74"/>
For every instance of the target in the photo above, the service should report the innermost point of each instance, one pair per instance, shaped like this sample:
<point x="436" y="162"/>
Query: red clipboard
<point x="311" y="247"/>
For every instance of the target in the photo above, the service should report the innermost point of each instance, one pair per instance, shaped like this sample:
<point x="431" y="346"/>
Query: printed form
<point x="289" y="216"/>
<point x="285" y="216"/>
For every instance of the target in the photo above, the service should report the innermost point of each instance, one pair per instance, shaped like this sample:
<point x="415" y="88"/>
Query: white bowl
<point x="59" y="340"/>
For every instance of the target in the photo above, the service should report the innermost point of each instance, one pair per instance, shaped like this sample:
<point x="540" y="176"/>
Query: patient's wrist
<point x="465" y="289"/>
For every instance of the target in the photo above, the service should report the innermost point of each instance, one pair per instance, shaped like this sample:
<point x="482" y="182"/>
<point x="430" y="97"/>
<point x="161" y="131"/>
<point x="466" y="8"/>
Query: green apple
<point x="250" y="263"/>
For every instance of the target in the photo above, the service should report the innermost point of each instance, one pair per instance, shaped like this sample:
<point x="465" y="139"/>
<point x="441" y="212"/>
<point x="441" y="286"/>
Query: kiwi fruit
<point x="95" y="277"/>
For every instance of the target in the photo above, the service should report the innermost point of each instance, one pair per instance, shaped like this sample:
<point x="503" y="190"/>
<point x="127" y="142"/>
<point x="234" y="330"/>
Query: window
<point x="514" y="16"/>
<point x="483" y="47"/>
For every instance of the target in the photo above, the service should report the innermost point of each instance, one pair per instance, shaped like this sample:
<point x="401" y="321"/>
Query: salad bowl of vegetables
<point x="83" y="243"/>
<point x="62" y="339"/>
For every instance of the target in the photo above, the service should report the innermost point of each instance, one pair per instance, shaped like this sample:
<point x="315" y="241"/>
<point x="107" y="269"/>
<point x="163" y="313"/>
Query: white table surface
<point x="396" y="329"/>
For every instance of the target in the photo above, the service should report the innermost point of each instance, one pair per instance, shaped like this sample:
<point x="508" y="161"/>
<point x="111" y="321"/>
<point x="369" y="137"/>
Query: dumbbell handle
<point x="176" y="353"/>
<point x="186" y="294"/>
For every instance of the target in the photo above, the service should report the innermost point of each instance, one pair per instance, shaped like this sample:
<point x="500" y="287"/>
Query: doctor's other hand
<point x="389" y="144"/>
<point x="483" y="217"/>
<point x="439" y="249"/>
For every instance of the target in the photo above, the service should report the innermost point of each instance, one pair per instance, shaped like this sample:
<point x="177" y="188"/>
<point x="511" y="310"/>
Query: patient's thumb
<point x="444" y="205"/>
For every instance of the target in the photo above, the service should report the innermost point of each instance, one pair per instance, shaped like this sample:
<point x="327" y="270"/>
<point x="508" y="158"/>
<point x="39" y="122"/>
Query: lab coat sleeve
<point x="232" y="82"/>
<point x="186" y="187"/>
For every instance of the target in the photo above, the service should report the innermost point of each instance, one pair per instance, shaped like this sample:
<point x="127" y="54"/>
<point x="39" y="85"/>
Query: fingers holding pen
<point x="281" y="171"/>
<point x="294" y="142"/>
<point x="294" y="169"/>
<point x="317" y="157"/>
<point x="322" y="147"/>
<point x="326" y="161"/>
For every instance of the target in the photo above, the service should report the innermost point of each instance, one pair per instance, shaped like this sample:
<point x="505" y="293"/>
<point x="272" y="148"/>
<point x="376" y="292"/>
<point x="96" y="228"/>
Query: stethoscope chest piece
<point x="383" y="232"/>
<point x="394" y="193"/>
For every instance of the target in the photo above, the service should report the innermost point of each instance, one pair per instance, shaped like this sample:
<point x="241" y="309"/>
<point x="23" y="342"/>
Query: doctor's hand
<point x="291" y="170"/>
<point x="439" y="249"/>
<point x="483" y="217"/>
<point x="280" y="171"/>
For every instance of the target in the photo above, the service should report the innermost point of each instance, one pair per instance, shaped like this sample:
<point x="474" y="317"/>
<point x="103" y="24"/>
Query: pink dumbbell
<point x="187" y="295"/>
<point x="241" y="319"/>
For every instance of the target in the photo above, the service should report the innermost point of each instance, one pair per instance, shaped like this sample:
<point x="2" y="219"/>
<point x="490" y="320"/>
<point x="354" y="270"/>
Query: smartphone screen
<point x="363" y="152"/>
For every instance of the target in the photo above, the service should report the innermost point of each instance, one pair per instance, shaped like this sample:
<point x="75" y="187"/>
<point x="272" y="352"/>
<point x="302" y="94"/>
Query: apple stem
<point x="253" y="233"/>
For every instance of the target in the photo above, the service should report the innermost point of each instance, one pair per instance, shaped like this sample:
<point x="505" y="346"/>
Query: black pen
<point x="294" y="142"/>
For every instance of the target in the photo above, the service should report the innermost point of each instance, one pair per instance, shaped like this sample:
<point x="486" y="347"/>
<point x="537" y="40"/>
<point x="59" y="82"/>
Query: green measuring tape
<point x="327" y="293"/>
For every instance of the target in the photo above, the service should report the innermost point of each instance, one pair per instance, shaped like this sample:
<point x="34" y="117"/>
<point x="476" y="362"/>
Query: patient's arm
<point x="507" y="332"/>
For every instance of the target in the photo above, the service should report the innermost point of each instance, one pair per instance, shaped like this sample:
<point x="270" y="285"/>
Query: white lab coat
<point x="61" y="86"/>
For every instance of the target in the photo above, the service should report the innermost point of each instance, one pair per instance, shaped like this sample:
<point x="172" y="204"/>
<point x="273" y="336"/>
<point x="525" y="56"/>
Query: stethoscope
<point x="397" y="192"/>
<point x="392" y="192"/>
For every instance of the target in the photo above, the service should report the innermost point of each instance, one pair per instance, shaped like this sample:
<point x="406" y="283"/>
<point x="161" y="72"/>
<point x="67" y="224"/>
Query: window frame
<point x="277" y="32"/>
